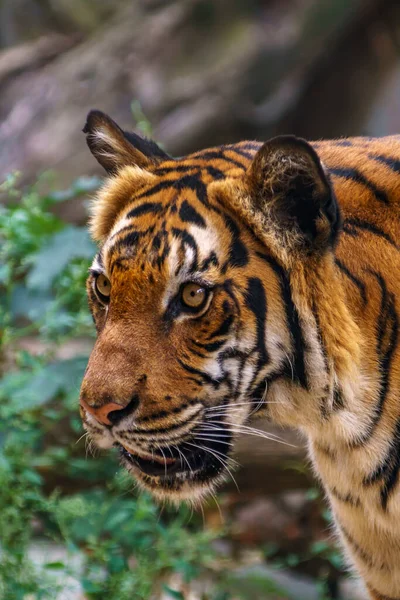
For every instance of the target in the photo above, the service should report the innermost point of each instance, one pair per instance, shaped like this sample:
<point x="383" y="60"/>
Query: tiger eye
<point x="103" y="285"/>
<point x="193" y="295"/>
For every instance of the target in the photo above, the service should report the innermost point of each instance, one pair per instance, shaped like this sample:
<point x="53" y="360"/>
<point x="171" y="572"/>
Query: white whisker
<point x="232" y="404"/>
<point x="290" y="363"/>
<point x="211" y="440"/>
<point x="85" y="434"/>
<point x="164" y="457"/>
<point x="214" y="496"/>
<point x="239" y="428"/>
<point x="184" y="457"/>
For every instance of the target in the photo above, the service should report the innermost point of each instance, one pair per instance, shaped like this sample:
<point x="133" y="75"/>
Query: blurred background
<point x="190" y="73"/>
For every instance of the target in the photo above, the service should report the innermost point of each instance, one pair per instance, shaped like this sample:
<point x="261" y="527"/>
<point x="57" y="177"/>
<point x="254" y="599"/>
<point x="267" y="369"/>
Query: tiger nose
<point x="110" y="413"/>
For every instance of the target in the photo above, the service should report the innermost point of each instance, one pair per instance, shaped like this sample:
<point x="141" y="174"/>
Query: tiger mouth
<point x="192" y="459"/>
<point x="150" y="464"/>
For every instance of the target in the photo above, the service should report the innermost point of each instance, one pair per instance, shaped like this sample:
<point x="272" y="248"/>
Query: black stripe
<point x="194" y="183"/>
<point x="255" y="146"/>
<point x="188" y="167"/>
<point x="163" y="413"/>
<point x="189" y="240"/>
<point x="197" y="381"/>
<point x="292" y="319"/>
<point x="256" y="301"/>
<point x="130" y="240"/>
<point x="228" y="287"/>
<point x="191" y="182"/>
<point x="238" y="253"/>
<point x="366" y="226"/>
<point x="386" y="344"/>
<point x="242" y="151"/>
<point x="147" y="207"/>
<point x="177" y="169"/>
<point x="221" y="156"/>
<point x="324" y="399"/>
<point x="158" y="187"/>
<point x="388" y="469"/>
<point x="223" y="329"/>
<point x="212" y="259"/>
<point x="338" y="400"/>
<point x="357" y="282"/>
<point x="215" y="173"/>
<point x="197" y="353"/>
<point x="129" y="228"/>
<point x="141" y="434"/>
<point x="350" y="231"/>
<point x="358" y="177"/>
<point x="205" y="377"/>
<point x="188" y="214"/>
<point x="212" y="347"/>
<point x="392" y="163"/>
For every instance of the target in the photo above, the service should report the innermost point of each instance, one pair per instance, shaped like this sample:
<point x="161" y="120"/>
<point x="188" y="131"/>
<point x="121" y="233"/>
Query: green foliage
<point x="116" y="544"/>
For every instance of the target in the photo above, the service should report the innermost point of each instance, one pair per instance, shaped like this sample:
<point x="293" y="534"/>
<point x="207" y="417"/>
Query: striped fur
<point x="302" y="322"/>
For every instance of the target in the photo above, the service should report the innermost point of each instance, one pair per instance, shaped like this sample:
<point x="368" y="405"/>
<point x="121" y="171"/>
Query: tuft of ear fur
<point x="291" y="192"/>
<point x="114" y="148"/>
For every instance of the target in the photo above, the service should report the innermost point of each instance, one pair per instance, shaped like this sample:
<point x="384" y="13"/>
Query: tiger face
<point x="192" y="292"/>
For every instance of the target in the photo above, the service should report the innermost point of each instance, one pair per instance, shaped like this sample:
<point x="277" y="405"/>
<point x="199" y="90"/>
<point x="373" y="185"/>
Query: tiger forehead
<point x="174" y="203"/>
<point x="193" y="174"/>
<point x="171" y="224"/>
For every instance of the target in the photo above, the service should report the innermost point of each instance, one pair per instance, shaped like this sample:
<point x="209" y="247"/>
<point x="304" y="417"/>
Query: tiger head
<point x="202" y="296"/>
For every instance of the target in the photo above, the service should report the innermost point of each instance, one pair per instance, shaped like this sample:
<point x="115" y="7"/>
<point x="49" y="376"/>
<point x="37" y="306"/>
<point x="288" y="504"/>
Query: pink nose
<point x="102" y="413"/>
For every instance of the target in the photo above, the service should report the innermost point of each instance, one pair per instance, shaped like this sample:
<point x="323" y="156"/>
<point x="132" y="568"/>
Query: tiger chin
<point x="252" y="279"/>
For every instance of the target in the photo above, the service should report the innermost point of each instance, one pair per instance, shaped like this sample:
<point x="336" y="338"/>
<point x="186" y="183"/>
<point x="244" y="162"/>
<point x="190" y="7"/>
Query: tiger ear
<point x="114" y="148"/>
<point x="291" y="189"/>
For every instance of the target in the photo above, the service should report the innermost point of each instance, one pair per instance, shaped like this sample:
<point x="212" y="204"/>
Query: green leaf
<point x="31" y="304"/>
<point x="36" y="389"/>
<point x="57" y="565"/>
<point x="319" y="547"/>
<point x="5" y="272"/>
<point x="72" y="242"/>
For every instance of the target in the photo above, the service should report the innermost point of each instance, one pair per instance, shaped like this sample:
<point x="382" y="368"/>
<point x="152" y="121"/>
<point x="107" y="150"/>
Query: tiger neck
<point x="337" y="403"/>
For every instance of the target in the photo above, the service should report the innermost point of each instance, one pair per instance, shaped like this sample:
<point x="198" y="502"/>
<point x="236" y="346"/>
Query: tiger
<point x="245" y="280"/>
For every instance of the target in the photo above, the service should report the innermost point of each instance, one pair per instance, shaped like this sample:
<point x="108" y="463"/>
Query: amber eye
<point x="103" y="287"/>
<point x="194" y="295"/>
